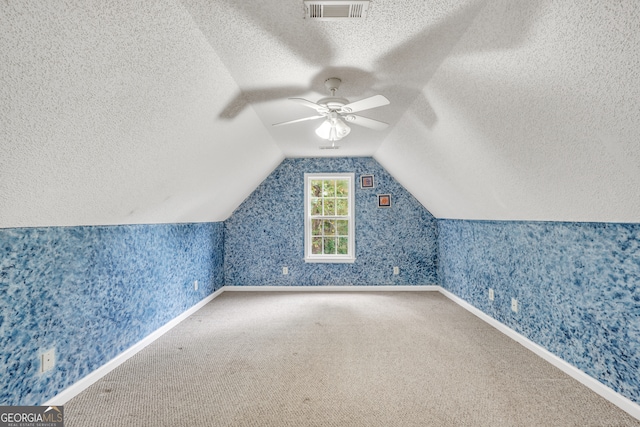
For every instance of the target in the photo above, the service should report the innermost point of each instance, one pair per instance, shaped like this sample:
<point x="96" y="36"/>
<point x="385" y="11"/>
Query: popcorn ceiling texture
<point x="577" y="286"/>
<point x="109" y="117"/>
<point x="91" y="293"/>
<point x="533" y="115"/>
<point x="160" y="111"/>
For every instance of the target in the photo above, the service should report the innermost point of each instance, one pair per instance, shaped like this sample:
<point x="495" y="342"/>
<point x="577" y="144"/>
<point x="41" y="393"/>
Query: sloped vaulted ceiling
<point x="535" y="115"/>
<point x="161" y="111"/>
<point x="109" y="116"/>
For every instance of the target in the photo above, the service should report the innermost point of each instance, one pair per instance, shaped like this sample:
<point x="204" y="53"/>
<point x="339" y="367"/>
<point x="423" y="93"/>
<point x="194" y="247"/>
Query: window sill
<point x="329" y="260"/>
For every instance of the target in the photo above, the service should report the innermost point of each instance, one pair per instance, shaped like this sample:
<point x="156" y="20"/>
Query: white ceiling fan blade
<point x="366" y="122"/>
<point x="298" y="120"/>
<point x="319" y="108"/>
<point x="365" y="104"/>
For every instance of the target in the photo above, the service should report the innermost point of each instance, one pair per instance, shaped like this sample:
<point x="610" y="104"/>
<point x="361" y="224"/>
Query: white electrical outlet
<point x="396" y="271"/>
<point x="491" y="294"/>
<point x="47" y="360"/>
<point x="195" y="285"/>
<point x="285" y="270"/>
<point x="514" y="305"/>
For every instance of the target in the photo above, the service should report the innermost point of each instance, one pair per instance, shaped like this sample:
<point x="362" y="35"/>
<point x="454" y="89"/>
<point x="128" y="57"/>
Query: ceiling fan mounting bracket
<point x="332" y="84"/>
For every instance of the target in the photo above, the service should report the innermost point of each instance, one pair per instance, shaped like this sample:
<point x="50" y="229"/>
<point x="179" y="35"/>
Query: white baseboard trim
<point x="79" y="386"/>
<point x="348" y="288"/>
<point x="611" y="395"/>
<point x="82" y="384"/>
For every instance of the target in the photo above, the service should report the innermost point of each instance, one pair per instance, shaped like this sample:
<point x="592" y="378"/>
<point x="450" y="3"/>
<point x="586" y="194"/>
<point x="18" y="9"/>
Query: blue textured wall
<point x="577" y="285"/>
<point x="93" y="292"/>
<point x="267" y="232"/>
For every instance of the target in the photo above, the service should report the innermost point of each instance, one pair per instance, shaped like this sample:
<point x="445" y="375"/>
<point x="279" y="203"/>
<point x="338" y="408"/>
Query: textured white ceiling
<point x="535" y="114"/>
<point x="112" y="118"/>
<point x="273" y="53"/>
<point x="161" y="111"/>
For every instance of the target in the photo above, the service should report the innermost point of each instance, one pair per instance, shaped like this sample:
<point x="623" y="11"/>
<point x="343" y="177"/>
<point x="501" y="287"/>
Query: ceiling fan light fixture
<point x="341" y="128"/>
<point x="333" y="129"/>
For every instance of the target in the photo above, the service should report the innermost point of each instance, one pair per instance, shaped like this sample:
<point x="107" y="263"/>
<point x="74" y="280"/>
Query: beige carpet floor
<point x="337" y="359"/>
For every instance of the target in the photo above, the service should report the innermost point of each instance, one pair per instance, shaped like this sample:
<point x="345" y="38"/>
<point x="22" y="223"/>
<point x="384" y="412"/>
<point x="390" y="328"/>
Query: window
<point x="329" y="218"/>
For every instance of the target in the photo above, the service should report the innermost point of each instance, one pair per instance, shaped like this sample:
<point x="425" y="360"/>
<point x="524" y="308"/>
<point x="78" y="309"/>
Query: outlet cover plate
<point x="47" y="360"/>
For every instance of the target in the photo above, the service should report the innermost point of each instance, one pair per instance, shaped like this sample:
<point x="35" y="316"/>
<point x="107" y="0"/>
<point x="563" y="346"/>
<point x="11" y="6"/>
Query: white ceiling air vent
<point x="335" y="10"/>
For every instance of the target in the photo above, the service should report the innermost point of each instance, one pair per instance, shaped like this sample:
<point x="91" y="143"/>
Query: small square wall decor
<point x="366" y="181"/>
<point x="384" y="200"/>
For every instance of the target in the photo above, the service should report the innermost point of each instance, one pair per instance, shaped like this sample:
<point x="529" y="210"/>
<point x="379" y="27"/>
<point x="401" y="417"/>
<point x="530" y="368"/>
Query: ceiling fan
<point x="338" y="111"/>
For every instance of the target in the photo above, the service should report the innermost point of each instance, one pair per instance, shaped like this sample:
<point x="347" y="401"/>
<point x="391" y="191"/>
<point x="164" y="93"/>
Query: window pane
<point x="316" y="188"/>
<point x="329" y="206"/>
<point x="316" y="245"/>
<point x="342" y="227"/>
<point x="342" y="207"/>
<point x="329" y="245"/>
<point x="316" y="206"/>
<point x="316" y="227"/>
<point x="343" y="245"/>
<point x="342" y="188"/>
<point x="329" y="188"/>
<point x="329" y="227"/>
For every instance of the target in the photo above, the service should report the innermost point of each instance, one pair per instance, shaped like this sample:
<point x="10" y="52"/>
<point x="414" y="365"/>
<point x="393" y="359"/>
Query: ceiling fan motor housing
<point x="333" y="103"/>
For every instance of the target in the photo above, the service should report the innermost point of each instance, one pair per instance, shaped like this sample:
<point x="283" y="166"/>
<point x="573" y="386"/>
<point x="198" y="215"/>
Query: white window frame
<point x="351" y="251"/>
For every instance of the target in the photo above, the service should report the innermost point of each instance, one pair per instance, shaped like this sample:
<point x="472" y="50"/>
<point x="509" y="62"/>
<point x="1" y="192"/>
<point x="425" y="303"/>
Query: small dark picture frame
<point x="366" y="181"/>
<point x="384" y="200"/>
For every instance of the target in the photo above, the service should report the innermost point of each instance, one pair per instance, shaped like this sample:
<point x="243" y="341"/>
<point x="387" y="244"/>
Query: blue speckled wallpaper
<point x="577" y="285"/>
<point x="266" y="232"/>
<point x="91" y="293"/>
